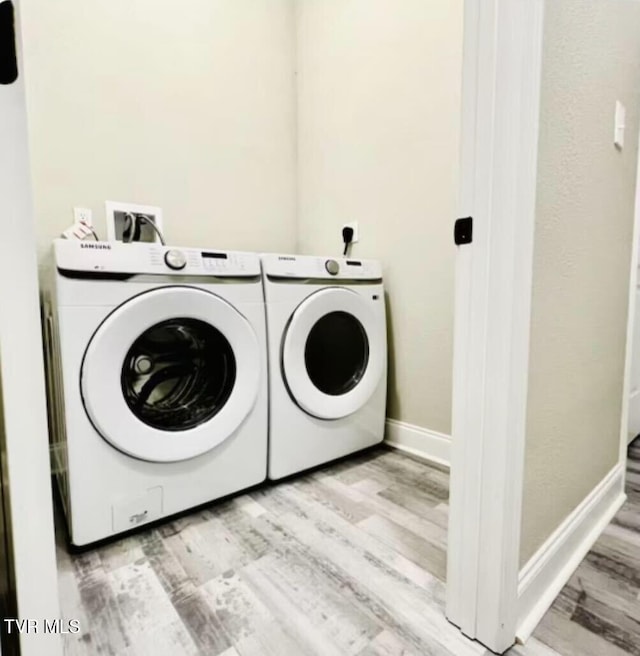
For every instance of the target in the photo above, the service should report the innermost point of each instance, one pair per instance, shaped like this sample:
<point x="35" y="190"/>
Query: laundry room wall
<point x="189" y="106"/>
<point x="378" y="130"/>
<point x="582" y="254"/>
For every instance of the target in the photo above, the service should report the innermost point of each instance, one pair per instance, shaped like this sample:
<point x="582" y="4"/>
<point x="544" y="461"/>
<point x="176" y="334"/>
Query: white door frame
<point x="26" y="456"/>
<point x="625" y="436"/>
<point x="501" y="99"/>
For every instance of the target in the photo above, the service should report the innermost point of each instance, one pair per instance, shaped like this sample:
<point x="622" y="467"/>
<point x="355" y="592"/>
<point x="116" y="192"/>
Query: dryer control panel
<point x="141" y="258"/>
<point x="320" y="268"/>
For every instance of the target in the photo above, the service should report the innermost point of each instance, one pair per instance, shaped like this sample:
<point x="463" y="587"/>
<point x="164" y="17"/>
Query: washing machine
<point x="157" y="380"/>
<point x="327" y="359"/>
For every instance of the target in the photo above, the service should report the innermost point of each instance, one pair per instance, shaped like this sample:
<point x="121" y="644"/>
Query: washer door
<point x="170" y="374"/>
<point x="333" y="353"/>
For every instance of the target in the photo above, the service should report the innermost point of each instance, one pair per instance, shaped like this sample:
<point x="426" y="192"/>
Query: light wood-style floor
<point x="345" y="560"/>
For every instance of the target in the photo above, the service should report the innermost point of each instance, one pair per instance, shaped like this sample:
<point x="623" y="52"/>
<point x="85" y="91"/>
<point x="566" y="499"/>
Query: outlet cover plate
<point x="114" y="211"/>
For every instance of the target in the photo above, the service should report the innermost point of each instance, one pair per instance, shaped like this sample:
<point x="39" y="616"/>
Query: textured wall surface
<point x="189" y="106"/>
<point x="378" y="117"/>
<point x="584" y="223"/>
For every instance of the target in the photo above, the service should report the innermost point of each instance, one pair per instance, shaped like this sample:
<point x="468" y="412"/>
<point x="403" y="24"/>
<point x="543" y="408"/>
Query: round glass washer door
<point x="333" y="353"/>
<point x="170" y="374"/>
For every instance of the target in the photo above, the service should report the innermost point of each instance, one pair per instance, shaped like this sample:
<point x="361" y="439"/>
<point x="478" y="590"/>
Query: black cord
<point x="347" y="238"/>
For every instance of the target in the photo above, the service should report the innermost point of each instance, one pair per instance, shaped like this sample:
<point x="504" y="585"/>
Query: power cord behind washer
<point x="133" y="227"/>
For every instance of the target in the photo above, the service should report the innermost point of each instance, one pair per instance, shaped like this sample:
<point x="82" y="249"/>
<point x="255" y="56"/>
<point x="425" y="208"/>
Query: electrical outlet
<point x="83" y="215"/>
<point x="356" y="233"/>
<point x="117" y="221"/>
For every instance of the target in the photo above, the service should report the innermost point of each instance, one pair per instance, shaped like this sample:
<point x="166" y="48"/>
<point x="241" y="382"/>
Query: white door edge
<point x="26" y="455"/>
<point x="631" y="350"/>
<point x="501" y="87"/>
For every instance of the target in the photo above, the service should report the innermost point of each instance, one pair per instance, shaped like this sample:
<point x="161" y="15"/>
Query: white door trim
<point x="625" y="436"/>
<point x="501" y="89"/>
<point x="26" y="456"/>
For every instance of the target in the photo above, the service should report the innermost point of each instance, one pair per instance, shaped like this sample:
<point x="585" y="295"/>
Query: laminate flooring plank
<point x="533" y="648"/>
<point x="596" y="584"/>
<point x="71" y="606"/>
<point x="240" y="611"/>
<point x="121" y="553"/>
<point x="207" y="550"/>
<point x="431" y="557"/>
<point x="399" y="470"/>
<point x="428" y="526"/>
<point x="199" y="618"/>
<point x="320" y="565"/>
<point x="366" y="486"/>
<point x="107" y="630"/>
<point x="413" y="500"/>
<point x="334" y="498"/>
<point x="232" y="651"/>
<point x="318" y="596"/>
<point x="305" y="630"/>
<point x="367" y="547"/>
<point x="616" y="559"/>
<point x="271" y="639"/>
<point x="386" y="644"/>
<point x="153" y="626"/>
<point x="610" y="623"/>
<point x="572" y="639"/>
<point x="416" y="618"/>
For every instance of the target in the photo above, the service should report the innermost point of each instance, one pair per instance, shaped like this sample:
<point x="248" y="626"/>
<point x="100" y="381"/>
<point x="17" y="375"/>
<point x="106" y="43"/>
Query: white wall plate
<point x="114" y="211"/>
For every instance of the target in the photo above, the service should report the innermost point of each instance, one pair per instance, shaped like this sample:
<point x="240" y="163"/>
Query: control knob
<point x="175" y="259"/>
<point x="332" y="267"/>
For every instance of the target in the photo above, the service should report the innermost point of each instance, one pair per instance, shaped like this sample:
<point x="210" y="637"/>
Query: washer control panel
<point x="319" y="268"/>
<point x="139" y="258"/>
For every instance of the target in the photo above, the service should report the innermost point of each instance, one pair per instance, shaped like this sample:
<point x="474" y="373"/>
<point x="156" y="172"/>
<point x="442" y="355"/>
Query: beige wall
<point x="378" y="117"/>
<point x="586" y="191"/>
<point x="189" y="106"/>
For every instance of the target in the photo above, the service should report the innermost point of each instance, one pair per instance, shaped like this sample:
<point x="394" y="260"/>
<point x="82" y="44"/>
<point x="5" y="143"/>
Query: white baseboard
<point x="546" y="573"/>
<point x="419" y="442"/>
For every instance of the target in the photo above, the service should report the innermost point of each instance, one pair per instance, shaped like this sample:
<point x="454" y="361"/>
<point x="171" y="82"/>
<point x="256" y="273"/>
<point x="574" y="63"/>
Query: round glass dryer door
<point x="333" y="353"/>
<point x="170" y="374"/>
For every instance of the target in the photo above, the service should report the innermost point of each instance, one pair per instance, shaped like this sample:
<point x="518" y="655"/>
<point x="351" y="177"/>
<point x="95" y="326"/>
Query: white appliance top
<point x="323" y="268"/>
<point x="138" y="258"/>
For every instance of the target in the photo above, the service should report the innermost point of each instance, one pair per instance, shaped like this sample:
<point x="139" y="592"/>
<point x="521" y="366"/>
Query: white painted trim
<point x="501" y="89"/>
<point x="24" y="418"/>
<point x="419" y="442"/>
<point x="546" y="573"/>
<point x="625" y="436"/>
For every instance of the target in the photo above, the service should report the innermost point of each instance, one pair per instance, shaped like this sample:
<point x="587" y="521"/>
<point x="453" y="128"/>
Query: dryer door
<point x="170" y="374"/>
<point x="333" y="353"/>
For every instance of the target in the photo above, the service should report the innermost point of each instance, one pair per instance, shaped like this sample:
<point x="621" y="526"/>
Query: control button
<point x="175" y="259"/>
<point x="332" y="267"/>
